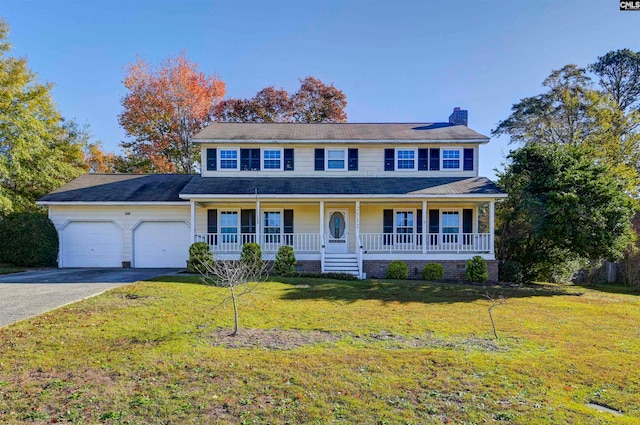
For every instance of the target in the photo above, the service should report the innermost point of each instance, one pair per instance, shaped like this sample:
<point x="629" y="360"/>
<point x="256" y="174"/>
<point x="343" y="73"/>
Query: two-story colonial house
<point x="347" y="197"/>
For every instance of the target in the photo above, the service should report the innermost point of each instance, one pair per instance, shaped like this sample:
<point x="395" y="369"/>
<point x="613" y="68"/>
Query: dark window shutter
<point x="319" y="159"/>
<point x="468" y="159"/>
<point x="248" y="221"/>
<point x="244" y="159"/>
<point x="387" y="221"/>
<point x="387" y="226"/>
<point x="212" y="163"/>
<point x="249" y="159"/>
<point x="434" y="162"/>
<point x="288" y="221"/>
<point x="423" y="159"/>
<point x="212" y="221"/>
<point x="467" y="220"/>
<point x="254" y="162"/>
<point x="288" y="160"/>
<point x="353" y="159"/>
<point x="389" y="159"/>
<point x="434" y="221"/>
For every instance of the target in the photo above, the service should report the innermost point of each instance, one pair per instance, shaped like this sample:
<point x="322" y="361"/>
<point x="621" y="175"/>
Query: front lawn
<point x="313" y="351"/>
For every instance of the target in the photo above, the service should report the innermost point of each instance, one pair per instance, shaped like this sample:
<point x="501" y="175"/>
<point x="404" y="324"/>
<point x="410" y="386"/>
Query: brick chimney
<point x="459" y="116"/>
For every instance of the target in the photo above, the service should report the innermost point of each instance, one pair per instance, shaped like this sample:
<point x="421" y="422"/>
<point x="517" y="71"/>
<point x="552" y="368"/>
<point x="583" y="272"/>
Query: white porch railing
<point x="370" y="242"/>
<point x="436" y="242"/>
<point x="220" y="242"/>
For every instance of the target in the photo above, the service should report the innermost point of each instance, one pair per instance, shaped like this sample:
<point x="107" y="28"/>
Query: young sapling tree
<point x="239" y="276"/>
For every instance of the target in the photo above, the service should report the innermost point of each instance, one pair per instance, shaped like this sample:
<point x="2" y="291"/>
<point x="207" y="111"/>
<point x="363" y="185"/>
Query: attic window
<point x="272" y="159"/>
<point x="406" y="159"/>
<point x="451" y="159"/>
<point x="228" y="159"/>
<point x="336" y="159"/>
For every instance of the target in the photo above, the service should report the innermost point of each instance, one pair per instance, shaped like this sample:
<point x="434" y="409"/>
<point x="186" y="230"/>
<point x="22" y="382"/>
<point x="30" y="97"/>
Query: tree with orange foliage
<point x="314" y="102"/>
<point x="164" y="108"/>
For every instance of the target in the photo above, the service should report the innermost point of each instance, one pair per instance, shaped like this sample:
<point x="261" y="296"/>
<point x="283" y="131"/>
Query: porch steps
<point x="341" y="263"/>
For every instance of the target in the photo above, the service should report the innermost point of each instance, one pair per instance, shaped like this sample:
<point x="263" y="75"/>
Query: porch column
<point x="357" y="224"/>
<point x="322" y="236"/>
<point x="425" y="232"/>
<point x="492" y="226"/>
<point x="321" y="221"/>
<point x="258" y="223"/>
<point x="476" y="229"/>
<point x="193" y="221"/>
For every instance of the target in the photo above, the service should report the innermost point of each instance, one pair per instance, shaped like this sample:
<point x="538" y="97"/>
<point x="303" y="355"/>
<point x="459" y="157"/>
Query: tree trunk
<point x="235" y="312"/>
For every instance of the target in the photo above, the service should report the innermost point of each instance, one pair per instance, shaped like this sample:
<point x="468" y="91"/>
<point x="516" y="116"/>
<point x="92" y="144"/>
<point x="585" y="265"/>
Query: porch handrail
<point x="232" y="242"/>
<point x="436" y="242"/>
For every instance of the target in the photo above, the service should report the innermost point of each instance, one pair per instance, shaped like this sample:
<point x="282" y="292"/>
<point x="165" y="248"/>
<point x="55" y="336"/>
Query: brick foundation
<point x="454" y="270"/>
<point x="309" y="266"/>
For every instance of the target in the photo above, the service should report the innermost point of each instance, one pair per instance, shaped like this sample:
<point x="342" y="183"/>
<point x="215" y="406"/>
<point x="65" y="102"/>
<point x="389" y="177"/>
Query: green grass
<point x="399" y="353"/>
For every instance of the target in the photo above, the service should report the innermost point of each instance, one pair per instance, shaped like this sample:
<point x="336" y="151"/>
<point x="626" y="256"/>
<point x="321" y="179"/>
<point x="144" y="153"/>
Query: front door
<point x="338" y="232"/>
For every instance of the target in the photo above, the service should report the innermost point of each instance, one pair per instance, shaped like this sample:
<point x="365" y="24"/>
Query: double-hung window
<point x="272" y="226"/>
<point x="229" y="226"/>
<point x="272" y="159"/>
<point x="228" y="159"/>
<point x="405" y="159"/>
<point x="405" y="226"/>
<point x="451" y="159"/>
<point x="336" y="159"/>
<point x="450" y="225"/>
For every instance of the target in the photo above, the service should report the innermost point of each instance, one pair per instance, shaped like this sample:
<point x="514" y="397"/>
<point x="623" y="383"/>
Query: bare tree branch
<point x="240" y="277"/>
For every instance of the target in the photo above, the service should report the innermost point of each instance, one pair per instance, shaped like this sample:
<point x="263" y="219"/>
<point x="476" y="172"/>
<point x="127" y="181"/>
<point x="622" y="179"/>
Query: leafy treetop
<point x="39" y="150"/>
<point x="164" y="108"/>
<point x="314" y="102"/>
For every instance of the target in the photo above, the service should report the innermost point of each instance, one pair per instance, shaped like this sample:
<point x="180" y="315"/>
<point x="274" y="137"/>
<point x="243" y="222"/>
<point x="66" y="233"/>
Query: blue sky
<point x="397" y="61"/>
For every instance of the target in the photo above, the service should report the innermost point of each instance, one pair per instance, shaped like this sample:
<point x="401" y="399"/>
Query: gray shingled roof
<point x="338" y="131"/>
<point x="221" y="186"/>
<point x="121" y="188"/>
<point x="168" y="187"/>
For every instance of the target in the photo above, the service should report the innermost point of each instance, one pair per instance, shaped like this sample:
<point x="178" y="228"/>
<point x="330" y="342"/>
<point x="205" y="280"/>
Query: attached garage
<point x="161" y="244"/>
<point x="91" y="244"/>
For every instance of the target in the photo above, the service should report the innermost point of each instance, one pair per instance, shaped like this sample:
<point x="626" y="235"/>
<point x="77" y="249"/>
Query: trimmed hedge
<point x="432" y="271"/>
<point x="28" y="240"/>
<point x="477" y="270"/>
<point x="397" y="270"/>
<point x="200" y="258"/>
<point x="251" y="255"/>
<point x="285" y="263"/>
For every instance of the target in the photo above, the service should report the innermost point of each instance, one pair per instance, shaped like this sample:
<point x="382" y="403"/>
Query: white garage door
<point x="91" y="244"/>
<point x="161" y="244"/>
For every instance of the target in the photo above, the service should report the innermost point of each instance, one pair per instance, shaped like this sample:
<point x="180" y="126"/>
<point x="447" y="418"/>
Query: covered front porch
<point x="341" y="234"/>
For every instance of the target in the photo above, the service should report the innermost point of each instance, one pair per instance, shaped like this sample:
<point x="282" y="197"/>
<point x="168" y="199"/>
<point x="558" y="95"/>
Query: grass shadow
<point x="612" y="288"/>
<point x="407" y="291"/>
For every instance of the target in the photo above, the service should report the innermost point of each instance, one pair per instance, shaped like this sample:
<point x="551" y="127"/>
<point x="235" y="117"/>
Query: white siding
<point x="370" y="162"/>
<point x="124" y="216"/>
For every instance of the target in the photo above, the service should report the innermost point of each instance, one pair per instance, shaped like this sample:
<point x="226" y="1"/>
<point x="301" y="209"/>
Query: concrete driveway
<point x="28" y="294"/>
